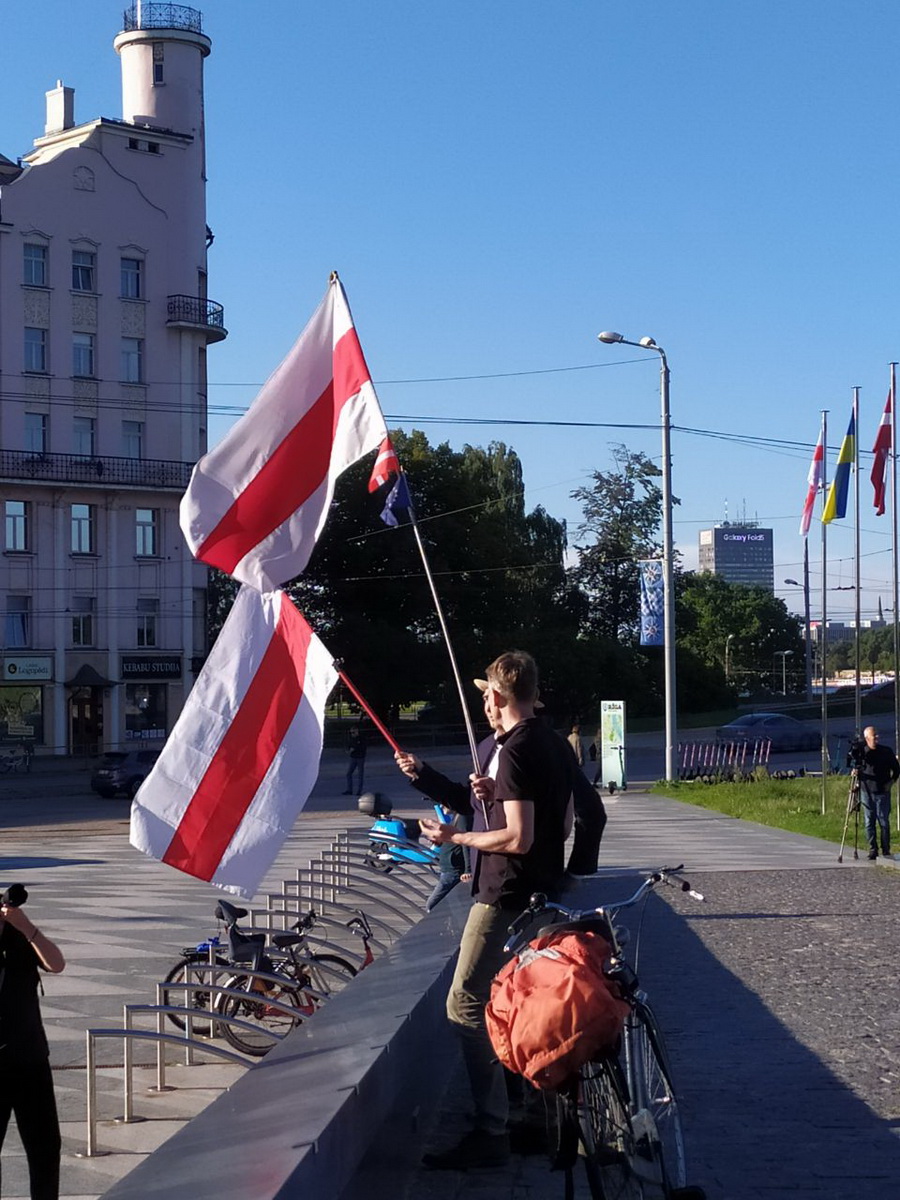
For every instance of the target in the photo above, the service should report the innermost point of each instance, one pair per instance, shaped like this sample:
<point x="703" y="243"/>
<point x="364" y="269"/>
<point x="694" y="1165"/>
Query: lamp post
<point x="648" y="343"/>
<point x="807" y="634"/>
<point x="784" y="655"/>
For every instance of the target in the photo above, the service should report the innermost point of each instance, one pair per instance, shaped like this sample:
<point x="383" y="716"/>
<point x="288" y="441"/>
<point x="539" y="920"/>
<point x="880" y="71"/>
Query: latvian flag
<point x="256" y="503"/>
<point x="244" y="754"/>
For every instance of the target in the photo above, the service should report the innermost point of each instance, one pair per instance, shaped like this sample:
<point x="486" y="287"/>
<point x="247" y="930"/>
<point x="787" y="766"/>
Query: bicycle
<point x="15" y="761"/>
<point x="620" y="1113"/>
<point x="313" y="975"/>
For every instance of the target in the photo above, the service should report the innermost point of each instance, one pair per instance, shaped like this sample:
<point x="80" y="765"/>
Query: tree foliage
<point x="713" y="615"/>
<point x="622" y="514"/>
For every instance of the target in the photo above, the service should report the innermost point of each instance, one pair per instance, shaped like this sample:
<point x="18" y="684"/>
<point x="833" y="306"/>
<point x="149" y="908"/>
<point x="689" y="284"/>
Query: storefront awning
<point x="86" y="676"/>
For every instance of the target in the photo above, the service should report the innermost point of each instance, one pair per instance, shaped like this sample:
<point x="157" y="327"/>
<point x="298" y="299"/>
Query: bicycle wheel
<point x="653" y="1092"/>
<point x="606" y="1133"/>
<point x="337" y="971"/>
<point x="256" y="1008"/>
<point x="190" y="970"/>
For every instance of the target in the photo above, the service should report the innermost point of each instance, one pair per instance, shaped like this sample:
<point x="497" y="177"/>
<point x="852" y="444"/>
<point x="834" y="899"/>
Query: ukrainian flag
<point x="836" y="504"/>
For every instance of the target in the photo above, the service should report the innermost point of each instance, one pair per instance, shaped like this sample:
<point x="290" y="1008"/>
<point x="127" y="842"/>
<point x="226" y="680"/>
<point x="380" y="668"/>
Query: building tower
<point x="104" y="328"/>
<point x="740" y="553"/>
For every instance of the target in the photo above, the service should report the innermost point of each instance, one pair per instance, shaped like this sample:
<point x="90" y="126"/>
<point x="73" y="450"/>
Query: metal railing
<point x="94" y="470"/>
<point x="143" y="15"/>
<point x="196" y="310"/>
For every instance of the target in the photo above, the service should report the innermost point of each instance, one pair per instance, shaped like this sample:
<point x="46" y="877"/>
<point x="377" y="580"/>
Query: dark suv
<point x="122" y="771"/>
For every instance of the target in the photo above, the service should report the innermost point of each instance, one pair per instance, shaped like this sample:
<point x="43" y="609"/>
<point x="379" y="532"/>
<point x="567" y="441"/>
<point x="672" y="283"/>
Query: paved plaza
<point x="777" y="995"/>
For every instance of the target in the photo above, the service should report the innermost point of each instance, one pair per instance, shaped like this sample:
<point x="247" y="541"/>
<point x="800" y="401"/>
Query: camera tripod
<point x="853" y="804"/>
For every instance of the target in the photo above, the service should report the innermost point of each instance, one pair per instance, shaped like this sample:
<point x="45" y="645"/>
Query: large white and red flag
<point x="257" y="502"/>
<point x="882" y="452"/>
<point x="814" y="479"/>
<point x="243" y="756"/>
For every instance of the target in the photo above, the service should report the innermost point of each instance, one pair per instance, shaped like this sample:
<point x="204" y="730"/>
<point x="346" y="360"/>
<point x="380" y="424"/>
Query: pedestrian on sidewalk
<point x="356" y="747"/>
<point x="574" y="740"/>
<point x="878" y="769"/>
<point x="26" y="1081"/>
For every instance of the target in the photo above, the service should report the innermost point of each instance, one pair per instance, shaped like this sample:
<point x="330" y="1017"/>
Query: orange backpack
<point x="552" y="1009"/>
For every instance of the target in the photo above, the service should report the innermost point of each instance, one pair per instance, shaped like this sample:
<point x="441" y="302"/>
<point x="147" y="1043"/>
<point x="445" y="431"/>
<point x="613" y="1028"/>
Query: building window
<point x="84" y="271"/>
<point x="146" y="522"/>
<point x="83" y="355"/>
<point x="145" y="711"/>
<point x="147" y="616"/>
<point x="132" y="360"/>
<point x="84" y="432"/>
<point x="16" y="525"/>
<point x="82" y="529"/>
<point x="159" y="55"/>
<point x="36" y="432"/>
<point x="83" y="620"/>
<point x="133" y="439"/>
<point x="132" y="278"/>
<point x="35" y="265"/>
<point x="35" y="349"/>
<point x="18" y="622"/>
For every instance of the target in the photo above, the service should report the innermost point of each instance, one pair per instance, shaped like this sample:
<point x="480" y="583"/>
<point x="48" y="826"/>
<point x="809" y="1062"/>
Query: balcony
<point x="161" y="16"/>
<point x="196" y="312"/>
<point x="23" y="466"/>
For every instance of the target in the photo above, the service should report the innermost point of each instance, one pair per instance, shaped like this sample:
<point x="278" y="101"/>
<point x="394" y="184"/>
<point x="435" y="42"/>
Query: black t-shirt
<point x="22" y="1037"/>
<point x="880" y="766"/>
<point x="533" y="765"/>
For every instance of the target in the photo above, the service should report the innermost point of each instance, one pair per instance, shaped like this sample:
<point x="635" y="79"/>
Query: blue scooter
<point x="393" y="841"/>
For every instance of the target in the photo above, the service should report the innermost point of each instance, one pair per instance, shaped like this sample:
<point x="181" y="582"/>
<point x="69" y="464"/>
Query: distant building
<point x="740" y="553"/>
<point x="104" y="328"/>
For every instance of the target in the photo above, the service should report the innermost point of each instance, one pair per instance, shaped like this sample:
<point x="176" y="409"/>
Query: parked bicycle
<point x="620" y="1113"/>
<point x="303" y="977"/>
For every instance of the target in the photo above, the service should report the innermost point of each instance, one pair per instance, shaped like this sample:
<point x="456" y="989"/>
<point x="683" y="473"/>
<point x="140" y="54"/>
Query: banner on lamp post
<point x="652" y="603"/>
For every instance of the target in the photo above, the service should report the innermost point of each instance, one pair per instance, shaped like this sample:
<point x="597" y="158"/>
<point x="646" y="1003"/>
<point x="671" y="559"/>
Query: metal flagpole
<point x="857" y="705"/>
<point x="894" y="614"/>
<point x="822" y="627"/>
<point x="470" y="732"/>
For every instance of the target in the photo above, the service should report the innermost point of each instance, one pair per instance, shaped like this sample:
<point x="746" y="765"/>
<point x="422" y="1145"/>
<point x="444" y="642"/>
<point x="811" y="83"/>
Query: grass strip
<point x="794" y="804"/>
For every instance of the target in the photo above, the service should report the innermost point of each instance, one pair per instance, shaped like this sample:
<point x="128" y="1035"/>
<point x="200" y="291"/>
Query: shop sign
<point x="151" y="666"/>
<point x="27" y="670"/>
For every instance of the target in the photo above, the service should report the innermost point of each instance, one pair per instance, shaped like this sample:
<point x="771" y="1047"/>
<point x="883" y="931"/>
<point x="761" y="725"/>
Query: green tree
<point x="498" y="569"/>
<point x="716" y="619"/>
<point x="622" y="511"/>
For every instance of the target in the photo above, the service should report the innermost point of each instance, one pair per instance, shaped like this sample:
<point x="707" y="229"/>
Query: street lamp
<point x="807" y="633"/>
<point x="648" y="343"/>
<point x="783" y="654"/>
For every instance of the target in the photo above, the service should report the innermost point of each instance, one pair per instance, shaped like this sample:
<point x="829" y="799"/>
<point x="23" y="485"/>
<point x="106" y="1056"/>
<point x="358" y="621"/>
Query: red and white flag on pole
<point x="814" y="480"/>
<point x="882" y="452"/>
<point x="256" y="503"/>
<point x="387" y="464"/>
<point x="244" y="754"/>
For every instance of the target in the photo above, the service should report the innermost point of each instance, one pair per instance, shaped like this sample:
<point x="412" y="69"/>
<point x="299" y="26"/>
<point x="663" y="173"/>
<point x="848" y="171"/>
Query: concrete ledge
<point x="299" y="1123"/>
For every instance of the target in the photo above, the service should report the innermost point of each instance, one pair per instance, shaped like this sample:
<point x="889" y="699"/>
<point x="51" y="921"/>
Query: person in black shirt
<point x="26" y="1082"/>
<point x="527" y="798"/>
<point x="878" y="769"/>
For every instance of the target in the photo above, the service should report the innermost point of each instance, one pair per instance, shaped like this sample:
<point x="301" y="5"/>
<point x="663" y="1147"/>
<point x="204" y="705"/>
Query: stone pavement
<point x="777" y="995"/>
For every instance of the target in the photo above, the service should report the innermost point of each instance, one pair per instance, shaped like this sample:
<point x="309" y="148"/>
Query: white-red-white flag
<point x="257" y="502"/>
<point x="882" y="452"/>
<point x="387" y="464"/>
<point x="814" y="479"/>
<point x="243" y="757"/>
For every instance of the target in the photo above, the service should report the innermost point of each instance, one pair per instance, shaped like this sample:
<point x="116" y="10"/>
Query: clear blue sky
<point x="497" y="182"/>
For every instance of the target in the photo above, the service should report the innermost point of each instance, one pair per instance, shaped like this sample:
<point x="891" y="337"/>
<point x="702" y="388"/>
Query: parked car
<point x="785" y="733"/>
<point x="121" y="772"/>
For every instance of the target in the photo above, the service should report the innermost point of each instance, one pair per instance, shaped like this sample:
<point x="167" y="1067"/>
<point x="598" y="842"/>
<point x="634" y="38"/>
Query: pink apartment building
<point x="104" y="325"/>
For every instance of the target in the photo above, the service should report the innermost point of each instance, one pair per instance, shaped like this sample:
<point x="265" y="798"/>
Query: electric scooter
<point x="392" y="840"/>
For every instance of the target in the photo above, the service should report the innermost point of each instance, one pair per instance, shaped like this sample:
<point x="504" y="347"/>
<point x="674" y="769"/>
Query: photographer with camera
<point x="26" y="1081"/>
<point x="878" y="768"/>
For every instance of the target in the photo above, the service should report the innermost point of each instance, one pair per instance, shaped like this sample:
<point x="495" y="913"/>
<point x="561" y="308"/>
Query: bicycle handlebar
<point x="539" y="903"/>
